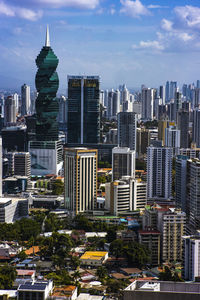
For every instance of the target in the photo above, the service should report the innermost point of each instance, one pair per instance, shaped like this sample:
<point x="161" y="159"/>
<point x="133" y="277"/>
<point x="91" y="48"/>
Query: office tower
<point x="181" y="181"/>
<point x="184" y="91"/>
<point x="9" y="111"/>
<point x="172" y="138"/>
<point x="13" y="209"/>
<point x="191" y="257"/>
<point x="80" y="173"/>
<point x="123" y="163"/>
<point x="148" y="96"/>
<point x="162" y="93"/>
<point x="139" y="192"/>
<point x="150" y="238"/>
<point x="157" y="103"/>
<point x="196" y="127"/>
<point x="193" y="194"/>
<point x="62" y="114"/>
<point x="14" y="138"/>
<point x="197" y="98"/>
<point x="106" y="98"/>
<point x="159" y="172"/>
<point x="110" y="104"/>
<point x="183" y="126"/>
<point x="127" y="126"/>
<point x="167" y="92"/>
<point x="177" y="105"/>
<point x="112" y="136"/>
<point x="22" y="164"/>
<point x="162" y="111"/>
<point x="172" y="89"/>
<point x="143" y="141"/>
<point x="46" y="149"/>
<point x="25" y="100"/>
<point x="172" y="226"/>
<point x="83" y="110"/>
<point x="115" y="103"/>
<point x="162" y="125"/>
<point x="16" y="98"/>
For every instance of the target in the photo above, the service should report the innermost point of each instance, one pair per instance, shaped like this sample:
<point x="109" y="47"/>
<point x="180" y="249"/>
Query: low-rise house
<point x="68" y="292"/>
<point x="35" y="290"/>
<point x="94" y="258"/>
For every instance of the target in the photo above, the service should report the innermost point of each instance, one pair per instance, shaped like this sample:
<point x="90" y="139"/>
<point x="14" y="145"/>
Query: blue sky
<point x="123" y="41"/>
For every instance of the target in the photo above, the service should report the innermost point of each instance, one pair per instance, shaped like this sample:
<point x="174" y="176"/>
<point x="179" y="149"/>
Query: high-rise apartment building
<point x="139" y="192"/>
<point x="191" y="257"/>
<point x="83" y="110"/>
<point x="193" y="194"/>
<point x="159" y="172"/>
<point x="183" y="126"/>
<point x="172" y="138"/>
<point x="25" y="100"/>
<point x="196" y="127"/>
<point x="80" y="173"/>
<point x="181" y="181"/>
<point x="172" y="225"/>
<point x="143" y="141"/>
<point x="162" y="93"/>
<point x="1" y="167"/>
<point x="148" y="96"/>
<point x="9" y="111"/>
<point x="127" y="127"/>
<point x="172" y="89"/>
<point x="123" y="162"/>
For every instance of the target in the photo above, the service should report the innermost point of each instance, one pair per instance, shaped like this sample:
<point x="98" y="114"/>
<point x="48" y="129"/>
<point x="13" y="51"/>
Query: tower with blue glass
<point x="46" y="149"/>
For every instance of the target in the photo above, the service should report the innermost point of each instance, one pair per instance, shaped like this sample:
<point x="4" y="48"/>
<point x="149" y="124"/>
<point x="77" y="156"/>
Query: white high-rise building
<point x="127" y="128"/>
<point x="26" y="100"/>
<point x="172" y="137"/>
<point x="139" y="190"/>
<point x="162" y="93"/>
<point x="191" y="257"/>
<point x="80" y="173"/>
<point x="159" y="172"/>
<point x="148" y="96"/>
<point x="123" y="162"/>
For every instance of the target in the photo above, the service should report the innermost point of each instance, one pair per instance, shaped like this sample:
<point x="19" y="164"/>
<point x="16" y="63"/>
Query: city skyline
<point x="123" y="41"/>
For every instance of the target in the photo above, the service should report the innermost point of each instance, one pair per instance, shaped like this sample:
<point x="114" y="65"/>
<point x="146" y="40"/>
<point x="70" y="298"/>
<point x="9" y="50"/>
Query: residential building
<point x="143" y="141"/>
<point x="181" y="181"/>
<point x="196" y="127"/>
<point x="183" y="126"/>
<point x="172" y="225"/>
<point x="12" y="209"/>
<point x="159" y="172"/>
<point x="151" y="239"/>
<point x="127" y="126"/>
<point x="83" y="110"/>
<point x="80" y="173"/>
<point x="10" y="111"/>
<point x="35" y="290"/>
<point x="172" y="138"/>
<point x="148" y="96"/>
<point x="123" y="162"/>
<point x="139" y="190"/>
<point x="161" y="290"/>
<point x="191" y="257"/>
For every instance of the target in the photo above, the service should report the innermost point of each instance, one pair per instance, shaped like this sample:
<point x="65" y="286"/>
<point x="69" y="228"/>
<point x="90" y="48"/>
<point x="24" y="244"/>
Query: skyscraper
<point x="123" y="163"/>
<point x="25" y="99"/>
<point x="196" y="127"/>
<point x="148" y="96"/>
<point x="80" y="172"/>
<point x="9" y="111"/>
<point x="46" y="150"/>
<point x="172" y="138"/>
<point x="83" y="110"/>
<point x="162" y="93"/>
<point x="183" y="126"/>
<point x="191" y="257"/>
<point x="181" y="181"/>
<point x="127" y="126"/>
<point x="159" y="172"/>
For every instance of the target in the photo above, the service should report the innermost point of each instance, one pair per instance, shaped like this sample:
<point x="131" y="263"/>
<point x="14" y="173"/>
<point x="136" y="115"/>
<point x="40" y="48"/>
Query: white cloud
<point x="190" y="15"/>
<point x="13" y="11"/>
<point x="152" y="6"/>
<point x="81" y="4"/>
<point x="6" y="10"/>
<point x="155" y="45"/>
<point x="112" y="11"/>
<point x="166" y="25"/>
<point x="134" y="9"/>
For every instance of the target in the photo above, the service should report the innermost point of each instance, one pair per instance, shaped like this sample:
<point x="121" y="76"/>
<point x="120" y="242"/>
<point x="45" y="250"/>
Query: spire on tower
<point x="47" y="42"/>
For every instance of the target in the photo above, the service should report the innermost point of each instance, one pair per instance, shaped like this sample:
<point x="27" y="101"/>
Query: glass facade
<point x="83" y="110"/>
<point x="47" y="107"/>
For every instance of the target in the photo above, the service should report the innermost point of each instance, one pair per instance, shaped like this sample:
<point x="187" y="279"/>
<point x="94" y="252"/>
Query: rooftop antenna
<point x="47" y="42"/>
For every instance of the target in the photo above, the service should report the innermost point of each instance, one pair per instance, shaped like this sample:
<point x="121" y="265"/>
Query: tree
<point x="60" y="277"/>
<point x="102" y="272"/>
<point x="8" y="275"/>
<point x="22" y="255"/>
<point x="111" y="234"/>
<point x="169" y="275"/>
<point x="116" y="248"/>
<point x="57" y="187"/>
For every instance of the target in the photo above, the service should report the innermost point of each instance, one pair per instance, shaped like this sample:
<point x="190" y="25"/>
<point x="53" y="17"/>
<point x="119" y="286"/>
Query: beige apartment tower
<point x="80" y="172"/>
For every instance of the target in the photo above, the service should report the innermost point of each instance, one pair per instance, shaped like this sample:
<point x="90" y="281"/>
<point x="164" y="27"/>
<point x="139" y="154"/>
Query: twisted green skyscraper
<point x="47" y="84"/>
